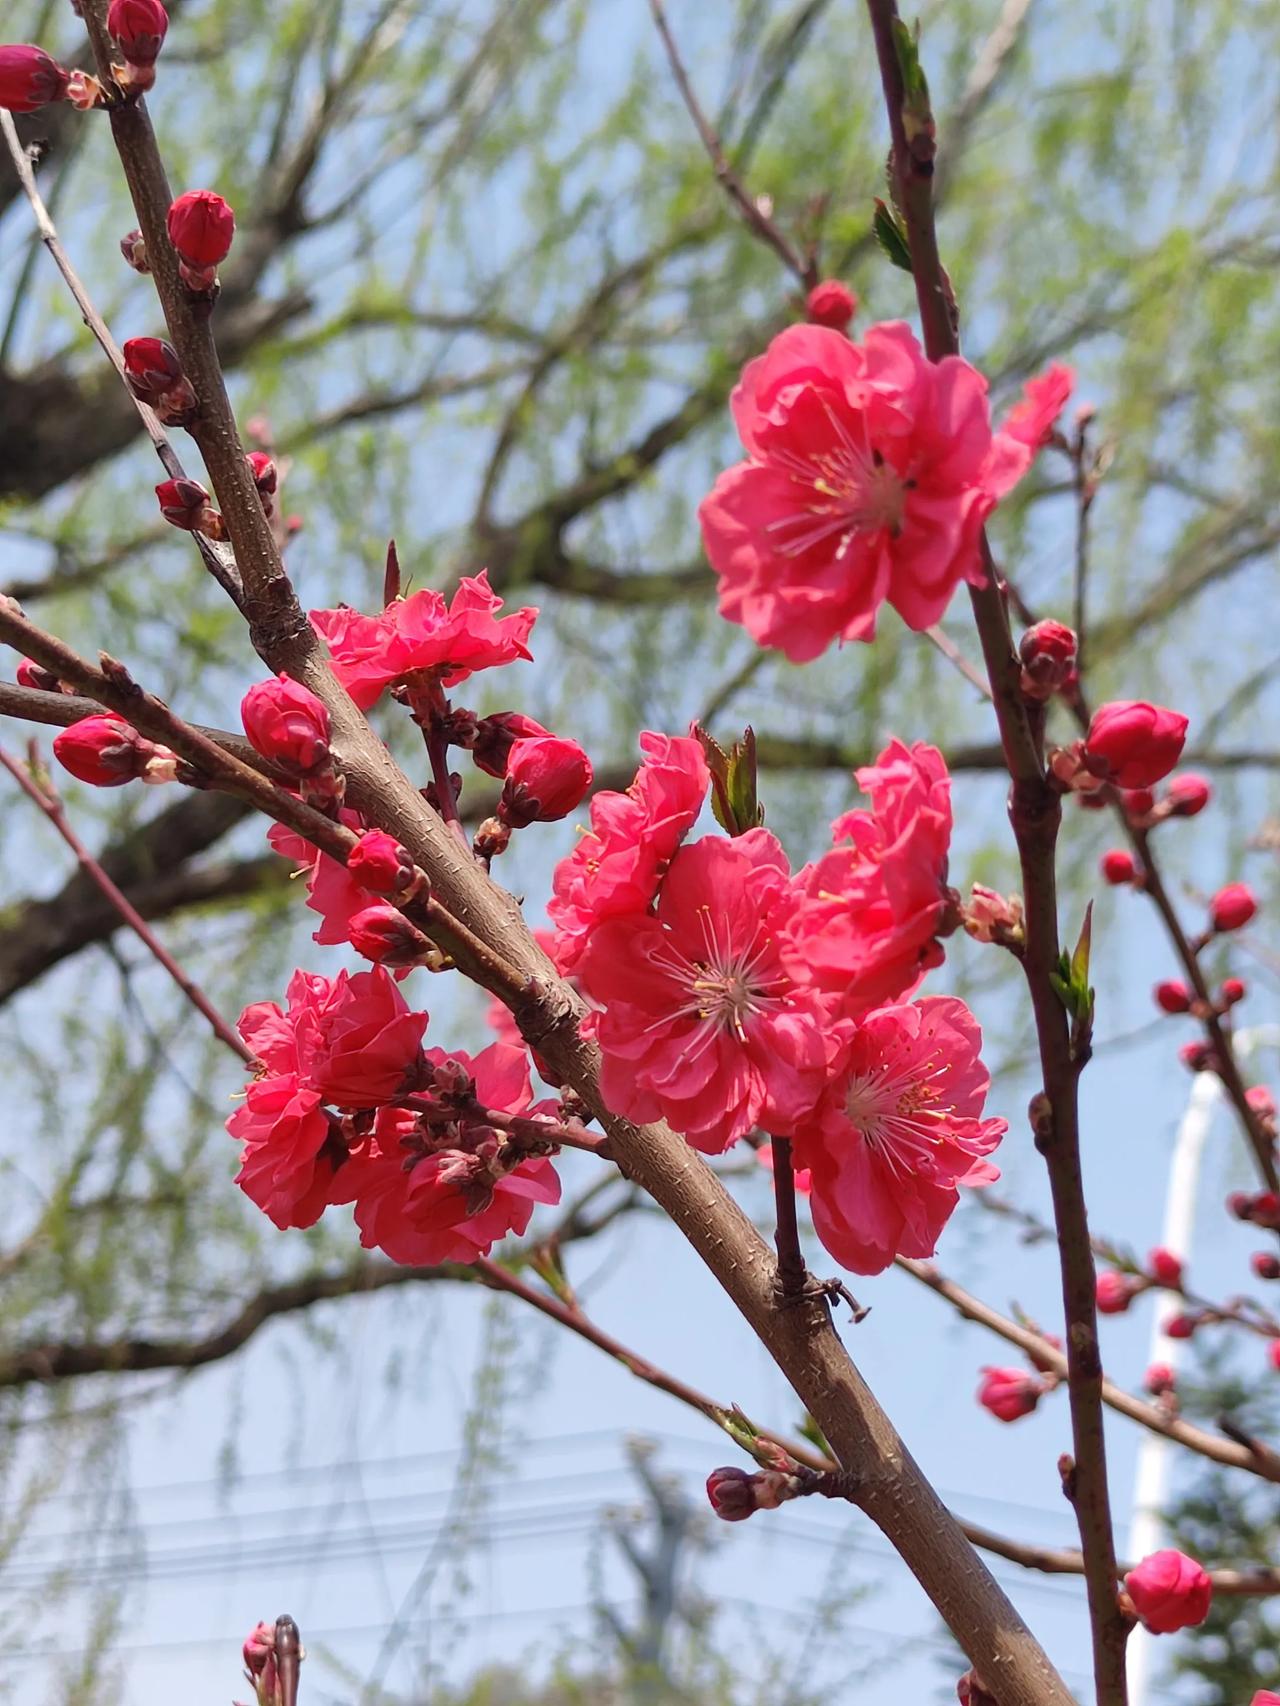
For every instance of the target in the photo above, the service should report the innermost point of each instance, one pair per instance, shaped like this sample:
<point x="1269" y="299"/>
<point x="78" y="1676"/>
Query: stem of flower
<point x="791" y="1269"/>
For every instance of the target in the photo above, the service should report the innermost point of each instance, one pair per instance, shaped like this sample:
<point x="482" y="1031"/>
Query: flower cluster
<point x="348" y="1107"/>
<point x="870" y="473"/>
<point x="731" y="995"/>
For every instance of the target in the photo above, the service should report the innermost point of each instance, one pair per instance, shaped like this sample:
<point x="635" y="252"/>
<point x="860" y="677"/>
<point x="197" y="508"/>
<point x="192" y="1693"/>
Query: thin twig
<point x="50" y="803"/>
<point x="1084" y="487"/>
<point x="792" y="1273"/>
<point x="219" y="560"/>
<point x="1244" y="1312"/>
<point x="954" y="656"/>
<point x="1225" y="1064"/>
<point x="760" y="223"/>
<point x="1257" y="1459"/>
<point x="1259" y="1582"/>
<point x="113" y="687"/>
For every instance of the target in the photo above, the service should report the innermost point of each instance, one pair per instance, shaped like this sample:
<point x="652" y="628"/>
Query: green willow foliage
<point x="492" y="301"/>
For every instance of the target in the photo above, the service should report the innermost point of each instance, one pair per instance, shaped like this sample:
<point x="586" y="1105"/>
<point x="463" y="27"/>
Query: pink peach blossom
<point x="897" y="1131"/>
<point x="701" y="1022"/>
<point x="870" y="473"/>
<point x="870" y="910"/>
<point x="422" y="632"/>
<point x="615" y="868"/>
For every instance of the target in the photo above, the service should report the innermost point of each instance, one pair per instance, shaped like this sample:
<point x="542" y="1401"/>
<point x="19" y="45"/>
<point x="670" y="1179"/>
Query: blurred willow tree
<point x="488" y="297"/>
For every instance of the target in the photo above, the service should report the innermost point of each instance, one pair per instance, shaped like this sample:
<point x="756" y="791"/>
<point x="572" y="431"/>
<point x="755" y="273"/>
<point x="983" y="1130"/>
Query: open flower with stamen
<point x="700" y="1020"/>
<point x="897" y="1131"/>
<point x="871" y="471"/>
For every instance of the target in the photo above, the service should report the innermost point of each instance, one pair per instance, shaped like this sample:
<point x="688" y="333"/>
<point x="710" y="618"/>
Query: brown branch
<point x="1258" y="1460"/>
<point x="791" y="1269"/>
<point x="44" y="796"/>
<point x="217" y="559"/>
<point x="61" y="1360"/>
<point x="1257" y="1582"/>
<point x="1035" y="813"/>
<point x="757" y="220"/>
<point x="1226" y="1065"/>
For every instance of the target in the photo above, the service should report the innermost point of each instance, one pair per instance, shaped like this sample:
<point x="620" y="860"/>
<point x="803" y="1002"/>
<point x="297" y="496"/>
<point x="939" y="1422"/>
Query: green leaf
<point x="891" y="237"/>
<point x="734" y="797"/>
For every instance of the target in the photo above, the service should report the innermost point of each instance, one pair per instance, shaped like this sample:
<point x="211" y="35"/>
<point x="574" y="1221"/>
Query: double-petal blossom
<point x="897" y="1131"/>
<point x="699" y="1018"/>
<point x="870" y="471"/>
<point x="423" y="632"/>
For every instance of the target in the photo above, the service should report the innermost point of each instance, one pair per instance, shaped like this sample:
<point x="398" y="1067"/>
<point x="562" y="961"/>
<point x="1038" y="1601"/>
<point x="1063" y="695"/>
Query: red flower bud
<point x="29" y="78"/>
<point x="151" y="368"/>
<point x="133" y="246"/>
<point x="546" y="778"/>
<point x="1048" y="653"/>
<point x="30" y="674"/>
<point x="139" y="27"/>
<point x="1265" y="1265"/>
<point x="1180" y="1326"/>
<point x="1233" y="989"/>
<point x="1165" y="1268"/>
<point x="108" y="752"/>
<point x="1118" y="866"/>
<point x="732" y="1494"/>
<point x="1261" y="1101"/>
<point x="1115" y="1292"/>
<point x="286" y="723"/>
<point x="386" y="937"/>
<point x="1173" y="996"/>
<point x="1232" y="907"/>
<point x="496" y="735"/>
<point x="1137" y="801"/>
<point x="1264" y="1209"/>
<point x="1010" y="1393"/>
<point x="379" y="863"/>
<point x="831" y="303"/>
<point x="1196" y="1057"/>
<point x="266" y="476"/>
<point x="1169" y="1591"/>
<point x="1159" y="1379"/>
<point x="1188" y="794"/>
<point x="1273" y="1354"/>
<point x="185" y="504"/>
<point x="258" y="1648"/>
<point x="201" y="226"/>
<point x="1134" y="744"/>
